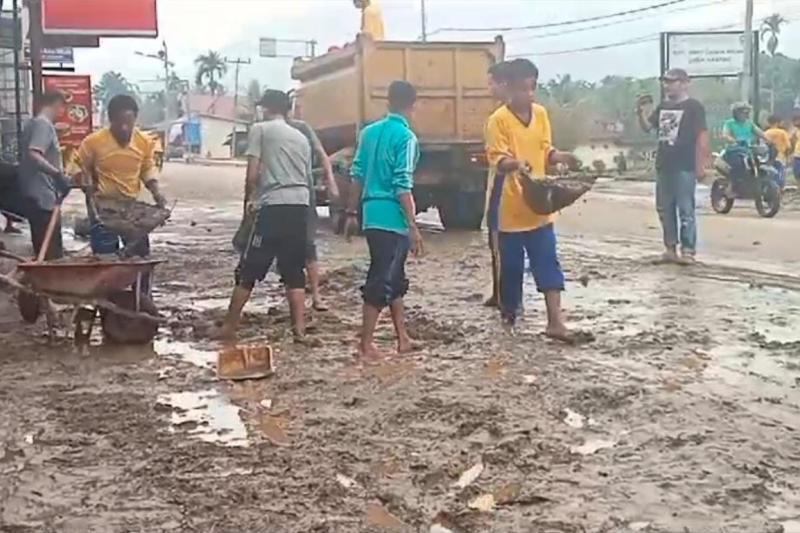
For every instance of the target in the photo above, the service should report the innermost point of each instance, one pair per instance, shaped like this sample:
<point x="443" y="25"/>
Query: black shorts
<point x="386" y="279"/>
<point x="279" y="232"/>
<point x="39" y="219"/>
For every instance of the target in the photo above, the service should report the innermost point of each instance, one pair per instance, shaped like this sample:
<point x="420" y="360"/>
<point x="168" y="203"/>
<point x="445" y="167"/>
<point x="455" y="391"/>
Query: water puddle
<point x="206" y="415"/>
<point x="791" y="526"/>
<point x="576" y="420"/>
<point x="186" y="352"/>
<point x="592" y="446"/>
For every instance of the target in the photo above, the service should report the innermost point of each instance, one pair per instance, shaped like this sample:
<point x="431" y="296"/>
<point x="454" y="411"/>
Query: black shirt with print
<point x="678" y="125"/>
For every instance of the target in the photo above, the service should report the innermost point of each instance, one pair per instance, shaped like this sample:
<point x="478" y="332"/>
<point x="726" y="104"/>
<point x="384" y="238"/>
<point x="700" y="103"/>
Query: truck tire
<point x="462" y="210"/>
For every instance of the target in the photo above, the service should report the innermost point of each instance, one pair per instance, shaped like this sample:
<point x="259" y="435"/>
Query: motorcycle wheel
<point x="720" y="201"/>
<point x="768" y="201"/>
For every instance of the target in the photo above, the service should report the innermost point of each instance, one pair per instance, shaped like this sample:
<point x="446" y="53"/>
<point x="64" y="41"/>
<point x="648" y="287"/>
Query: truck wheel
<point x="462" y="210"/>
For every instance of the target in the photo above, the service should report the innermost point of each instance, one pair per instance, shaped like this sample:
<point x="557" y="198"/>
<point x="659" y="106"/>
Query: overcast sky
<point x="233" y="27"/>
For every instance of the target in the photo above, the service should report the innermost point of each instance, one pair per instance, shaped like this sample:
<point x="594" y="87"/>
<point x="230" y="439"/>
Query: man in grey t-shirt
<point x="42" y="183"/>
<point x="278" y="174"/>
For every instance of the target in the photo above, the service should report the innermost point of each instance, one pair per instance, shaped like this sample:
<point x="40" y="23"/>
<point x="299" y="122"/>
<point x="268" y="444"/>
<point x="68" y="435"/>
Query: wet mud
<point x="682" y="415"/>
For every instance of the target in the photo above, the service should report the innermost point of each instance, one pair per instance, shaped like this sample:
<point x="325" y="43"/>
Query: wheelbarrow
<point x="110" y="285"/>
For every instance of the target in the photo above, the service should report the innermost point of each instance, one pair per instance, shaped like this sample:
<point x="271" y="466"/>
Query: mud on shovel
<point x="244" y="363"/>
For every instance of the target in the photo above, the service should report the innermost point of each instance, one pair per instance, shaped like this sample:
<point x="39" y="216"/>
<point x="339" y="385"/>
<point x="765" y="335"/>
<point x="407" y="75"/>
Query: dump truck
<point x="347" y="89"/>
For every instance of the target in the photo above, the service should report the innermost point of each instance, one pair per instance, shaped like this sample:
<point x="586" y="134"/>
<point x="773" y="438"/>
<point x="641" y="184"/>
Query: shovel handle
<point x="48" y="235"/>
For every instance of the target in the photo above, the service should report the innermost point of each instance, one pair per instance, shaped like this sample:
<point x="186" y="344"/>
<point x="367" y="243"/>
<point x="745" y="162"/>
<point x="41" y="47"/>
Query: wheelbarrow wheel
<point x="30" y="306"/>
<point x="120" y="329"/>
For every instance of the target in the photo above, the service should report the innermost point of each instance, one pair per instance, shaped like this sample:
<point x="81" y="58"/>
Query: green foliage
<point x="110" y="85"/>
<point x="210" y="68"/>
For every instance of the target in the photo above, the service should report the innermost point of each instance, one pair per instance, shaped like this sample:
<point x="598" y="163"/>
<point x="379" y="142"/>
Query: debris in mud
<point x="271" y="427"/>
<point x="484" y="503"/>
<point x="584" y="280"/>
<point x="346" y="482"/>
<point x="529" y="379"/>
<point x="469" y="476"/>
<point x="378" y="516"/>
<point x="576" y="420"/>
<point x="436" y="528"/>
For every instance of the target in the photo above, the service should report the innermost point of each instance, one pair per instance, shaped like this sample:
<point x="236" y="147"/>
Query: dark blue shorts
<point x="540" y="244"/>
<point x="386" y="279"/>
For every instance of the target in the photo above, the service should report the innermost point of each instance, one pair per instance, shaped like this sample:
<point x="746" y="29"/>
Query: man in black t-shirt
<point x="683" y="150"/>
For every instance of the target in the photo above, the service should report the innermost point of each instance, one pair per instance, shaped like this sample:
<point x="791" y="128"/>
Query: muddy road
<point x="682" y="416"/>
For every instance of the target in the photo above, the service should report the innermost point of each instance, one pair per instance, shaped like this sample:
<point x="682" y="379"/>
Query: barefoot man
<point x="518" y="139"/>
<point x="383" y="172"/>
<point x="277" y="189"/>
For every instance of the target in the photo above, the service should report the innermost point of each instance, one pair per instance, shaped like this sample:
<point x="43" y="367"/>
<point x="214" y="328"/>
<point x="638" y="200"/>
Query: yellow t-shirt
<point x="508" y="136"/>
<point x="794" y="138"/>
<point x="117" y="171"/>
<point x="783" y="143"/>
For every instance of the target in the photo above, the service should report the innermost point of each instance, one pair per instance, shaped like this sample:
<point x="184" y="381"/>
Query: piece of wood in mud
<point x="378" y="516"/>
<point x="272" y="428"/>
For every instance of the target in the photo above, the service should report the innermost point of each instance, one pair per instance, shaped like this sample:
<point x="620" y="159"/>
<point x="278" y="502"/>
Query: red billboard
<point x="75" y="123"/>
<point x="102" y="18"/>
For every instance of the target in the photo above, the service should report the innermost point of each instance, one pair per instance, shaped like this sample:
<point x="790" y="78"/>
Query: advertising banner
<point x="103" y="18"/>
<point x="75" y="123"/>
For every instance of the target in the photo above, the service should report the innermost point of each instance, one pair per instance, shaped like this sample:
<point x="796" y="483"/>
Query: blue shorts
<point x="540" y="244"/>
<point x="386" y="279"/>
<point x="796" y="167"/>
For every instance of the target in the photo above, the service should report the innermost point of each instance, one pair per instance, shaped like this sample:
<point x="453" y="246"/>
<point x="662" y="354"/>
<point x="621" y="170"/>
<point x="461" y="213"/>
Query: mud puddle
<point x="207" y="416"/>
<point x="186" y="352"/>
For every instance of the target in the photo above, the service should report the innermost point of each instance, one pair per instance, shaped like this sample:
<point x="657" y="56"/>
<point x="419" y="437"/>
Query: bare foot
<point x="668" y="257"/>
<point x="408" y="345"/>
<point x="562" y="333"/>
<point x="318" y="305"/>
<point x="491" y="301"/>
<point x="369" y="352"/>
<point x="305" y="340"/>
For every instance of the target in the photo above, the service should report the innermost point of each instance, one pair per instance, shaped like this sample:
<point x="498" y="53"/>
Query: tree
<point x="210" y="68"/>
<point x="770" y="30"/>
<point x="112" y="84"/>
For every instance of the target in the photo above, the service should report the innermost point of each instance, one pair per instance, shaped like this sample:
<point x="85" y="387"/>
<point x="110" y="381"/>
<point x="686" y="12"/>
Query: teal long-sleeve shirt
<point x="385" y="161"/>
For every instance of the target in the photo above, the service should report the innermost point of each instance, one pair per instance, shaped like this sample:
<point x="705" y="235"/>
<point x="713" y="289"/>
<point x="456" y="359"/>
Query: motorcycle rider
<point x="741" y="134"/>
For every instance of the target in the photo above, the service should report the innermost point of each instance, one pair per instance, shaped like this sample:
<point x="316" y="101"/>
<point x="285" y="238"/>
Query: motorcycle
<point x="757" y="179"/>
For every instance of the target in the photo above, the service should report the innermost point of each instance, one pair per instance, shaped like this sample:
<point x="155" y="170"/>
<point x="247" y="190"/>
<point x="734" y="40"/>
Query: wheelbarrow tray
<point x="85" y="279"/>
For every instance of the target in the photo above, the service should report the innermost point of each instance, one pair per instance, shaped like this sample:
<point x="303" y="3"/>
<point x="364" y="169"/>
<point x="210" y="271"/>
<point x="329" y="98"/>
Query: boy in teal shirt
<point x="383" y="178"/>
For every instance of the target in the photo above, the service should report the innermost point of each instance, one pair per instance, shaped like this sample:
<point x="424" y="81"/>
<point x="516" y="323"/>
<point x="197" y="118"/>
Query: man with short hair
<point x="116" y="162"/>
<point x="683" y="151"/>
<point x="318" y="157"/>
<point x="42" y="182"/>
<point x="383" y="179"/>
<point x="519" y="142"/>
<point x="277" y="189"/>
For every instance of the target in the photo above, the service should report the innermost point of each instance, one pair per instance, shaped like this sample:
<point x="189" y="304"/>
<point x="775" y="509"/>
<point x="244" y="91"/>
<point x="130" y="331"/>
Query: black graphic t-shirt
<point x="678" y="125"/>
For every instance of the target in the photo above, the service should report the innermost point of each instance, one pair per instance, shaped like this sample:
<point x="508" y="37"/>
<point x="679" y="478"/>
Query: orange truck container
<point x="344" y="90"/>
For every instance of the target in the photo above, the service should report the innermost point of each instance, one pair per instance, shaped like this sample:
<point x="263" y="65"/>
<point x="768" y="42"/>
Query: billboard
<point x="103" y="18"/>
<point x="706" y="54"/>
<point x="75" y="123"/>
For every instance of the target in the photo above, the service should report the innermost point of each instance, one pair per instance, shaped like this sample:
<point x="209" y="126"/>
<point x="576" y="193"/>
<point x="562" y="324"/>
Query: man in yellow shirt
<point x="782" y="142"/>
<point x="518" y="138"/>
<point x="117" y="162"/>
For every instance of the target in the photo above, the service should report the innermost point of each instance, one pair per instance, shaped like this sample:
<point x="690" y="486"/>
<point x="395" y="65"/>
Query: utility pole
<point x="35" y="34"/>
<point x="163" y="56"/>
<point x="238" y="62"/>
<point x="424" y="23"/>
<point x="17" y="46"/>
<point x="747" y="72"/>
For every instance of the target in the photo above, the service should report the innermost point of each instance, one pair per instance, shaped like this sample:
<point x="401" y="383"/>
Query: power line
<point x="613" y="23"/>
<point x="626" y="42"/>
<point x="562" y="23"/>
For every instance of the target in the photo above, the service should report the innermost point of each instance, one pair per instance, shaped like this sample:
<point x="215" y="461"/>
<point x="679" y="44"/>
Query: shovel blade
<point x="243" y="363"/>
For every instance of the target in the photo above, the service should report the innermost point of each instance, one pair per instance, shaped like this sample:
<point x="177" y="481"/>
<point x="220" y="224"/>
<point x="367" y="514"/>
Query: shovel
<point x="244" y="363"/>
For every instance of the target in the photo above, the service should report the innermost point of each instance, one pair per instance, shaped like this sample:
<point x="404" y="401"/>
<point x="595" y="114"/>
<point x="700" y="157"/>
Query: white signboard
<point x="706" y="54"/>
<point x="268" y="47"/>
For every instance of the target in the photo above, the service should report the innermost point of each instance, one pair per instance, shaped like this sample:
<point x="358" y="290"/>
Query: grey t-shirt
<point x="309" y="133"/>
<point x="39" y="135"/>
<point x="285" y="168"/>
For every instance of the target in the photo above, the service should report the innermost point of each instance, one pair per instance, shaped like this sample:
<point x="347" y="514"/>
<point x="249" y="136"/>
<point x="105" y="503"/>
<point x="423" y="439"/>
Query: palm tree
<point x="210" y="67"/>
<point x="770" y="30"/>
<point x="110" y="85"/>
